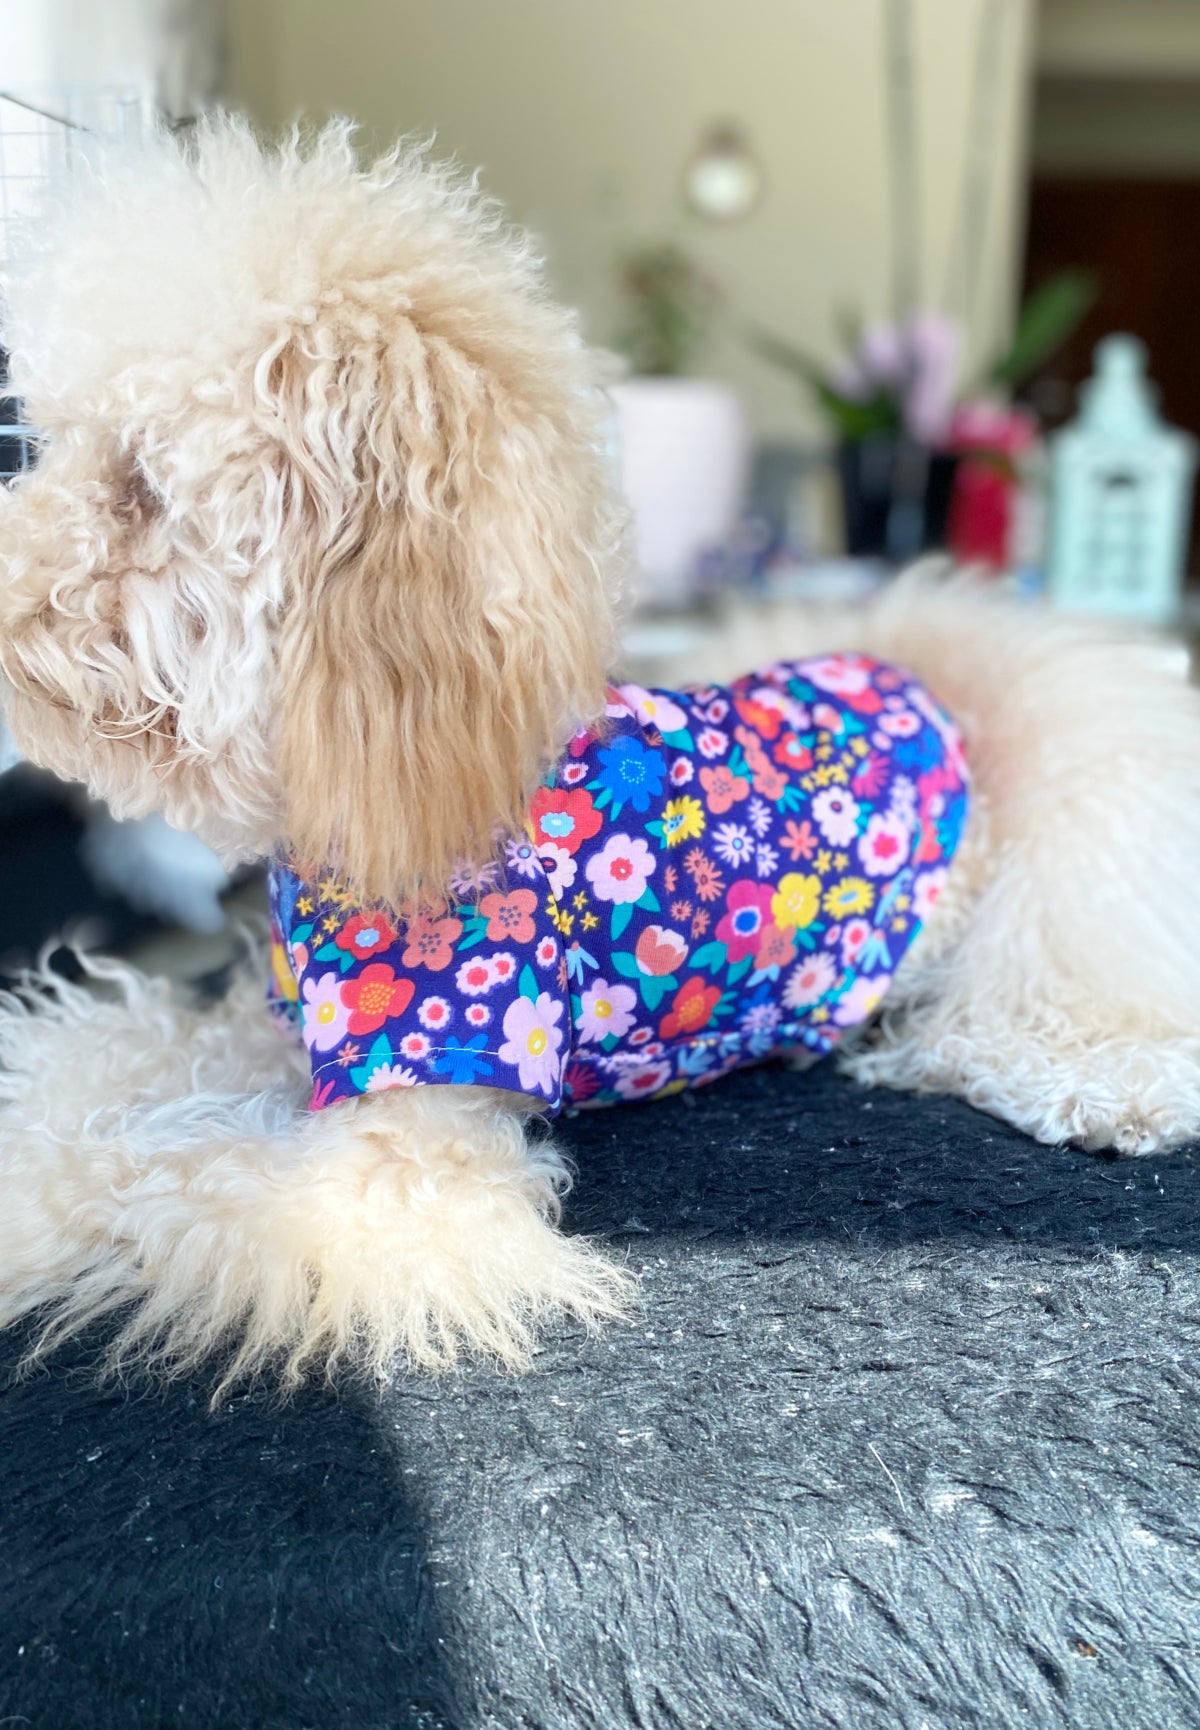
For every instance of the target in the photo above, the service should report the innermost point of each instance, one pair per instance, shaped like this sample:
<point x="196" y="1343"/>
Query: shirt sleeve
<point x="470" y="992"/>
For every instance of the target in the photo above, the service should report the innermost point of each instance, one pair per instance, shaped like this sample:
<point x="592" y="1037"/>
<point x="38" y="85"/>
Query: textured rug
<point x="906" y="1436"/>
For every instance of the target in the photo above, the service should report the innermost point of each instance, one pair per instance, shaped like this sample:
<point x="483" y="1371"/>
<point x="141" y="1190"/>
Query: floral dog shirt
<point x="716" y="875"/>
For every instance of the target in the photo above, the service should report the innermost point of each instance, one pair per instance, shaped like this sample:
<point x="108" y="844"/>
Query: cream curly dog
<point x="320" y="559"/>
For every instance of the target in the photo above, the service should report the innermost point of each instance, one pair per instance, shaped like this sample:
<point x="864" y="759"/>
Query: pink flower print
<point x="862" y="1000"/>
<point x="848" y="677"/>
<point x="621" y="872"/>
<point x="326" y="1017"/>
<point x="836" y="812"/>
<point x="532" y="1041"/>
<point x="390" y="1075"/>
<point x="435" y="1013"/>
<point x="654" y="708"/>
<point x="926" y="890"/>
<point x="808" y="982"/>
<point x="749" y="910"/>
<point x="884" y="846"/>
<point x="560" y="868"/>
<point x="605" y="1010"/>
<point x="854" y="935"/>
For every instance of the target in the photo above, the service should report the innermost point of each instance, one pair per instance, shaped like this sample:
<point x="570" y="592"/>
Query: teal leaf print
<point x="712" y="956"/>
<point x="679" y="740"/>
<point x="302" y="933"/>
<point x="474" y="928"/>
<point x="649" y="900"/>
<point x="739" y="969"/>
<point x="656" y="988"/>
<point x="626" y="965"/>
<point x="622" y="914"/>
<point x="379" y="1055"/>
<point x="528" y="985"/>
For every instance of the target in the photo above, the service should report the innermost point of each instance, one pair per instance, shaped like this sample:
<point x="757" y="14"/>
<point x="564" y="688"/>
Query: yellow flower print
<point x="852" y="895"/>
<point x="859" y="746"/>
<point x="796" y="901"/>
<point x="590" y="922"/>
<point x="304" y="905"/>
<point x="841" y="861"/>
<point x="580" y="901"/>
<point x="565" y="922"/>
<point x="825" y="750"/>
<point x="285" y="979"/>
<point x="822" y="861"/>
<point x="330" y="922"/>
<point x="683" y="820"/>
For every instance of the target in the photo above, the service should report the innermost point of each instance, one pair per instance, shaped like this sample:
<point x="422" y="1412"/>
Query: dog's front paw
<point x="403" y="1228"/>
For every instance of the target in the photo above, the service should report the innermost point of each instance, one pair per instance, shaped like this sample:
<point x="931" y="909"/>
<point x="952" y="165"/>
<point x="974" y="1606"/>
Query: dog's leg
<point x="159" y="1161"/>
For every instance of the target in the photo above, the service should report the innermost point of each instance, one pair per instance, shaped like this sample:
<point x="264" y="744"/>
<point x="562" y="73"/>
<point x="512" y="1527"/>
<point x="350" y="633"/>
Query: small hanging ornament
<point x="1121" y="496"/>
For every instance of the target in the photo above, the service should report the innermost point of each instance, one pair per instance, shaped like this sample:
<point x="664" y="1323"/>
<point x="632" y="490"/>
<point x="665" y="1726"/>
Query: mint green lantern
<point x="1120" y="496"/>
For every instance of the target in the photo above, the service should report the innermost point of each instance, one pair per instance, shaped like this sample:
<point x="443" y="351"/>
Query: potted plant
<point x="901" y="424"/>
<point x="683" y="445"/>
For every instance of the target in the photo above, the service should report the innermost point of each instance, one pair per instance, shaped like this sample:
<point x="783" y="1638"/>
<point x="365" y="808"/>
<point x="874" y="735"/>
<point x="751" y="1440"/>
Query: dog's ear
<point x="457" y="623"/>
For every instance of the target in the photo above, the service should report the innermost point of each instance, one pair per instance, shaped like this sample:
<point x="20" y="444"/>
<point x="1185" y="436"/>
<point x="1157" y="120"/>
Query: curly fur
<point x="1057" y="986"/>
<point x="323" y="505"/>
<point x="321" y="555"/>
<point x="179" y="1179"/>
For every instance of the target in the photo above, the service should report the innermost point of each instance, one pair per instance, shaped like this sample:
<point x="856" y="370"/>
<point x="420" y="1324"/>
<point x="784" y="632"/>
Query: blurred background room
<point x="884" y="277"/>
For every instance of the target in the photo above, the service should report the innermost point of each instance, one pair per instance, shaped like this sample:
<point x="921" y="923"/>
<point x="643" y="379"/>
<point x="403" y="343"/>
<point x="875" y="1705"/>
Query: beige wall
<point x="583" y="113"/>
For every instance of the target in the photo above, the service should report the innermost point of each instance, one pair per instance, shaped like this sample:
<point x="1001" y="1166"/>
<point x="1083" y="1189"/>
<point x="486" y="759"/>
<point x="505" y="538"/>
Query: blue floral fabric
<point x="715" y="875"/>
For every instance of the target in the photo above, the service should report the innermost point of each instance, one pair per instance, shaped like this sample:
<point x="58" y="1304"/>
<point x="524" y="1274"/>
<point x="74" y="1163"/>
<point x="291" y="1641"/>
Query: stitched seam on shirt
<point x="455" y="1050"/>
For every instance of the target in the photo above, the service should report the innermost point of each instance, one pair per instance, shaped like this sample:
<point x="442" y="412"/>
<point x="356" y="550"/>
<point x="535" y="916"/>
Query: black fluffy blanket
<point x="906" y="1437"/>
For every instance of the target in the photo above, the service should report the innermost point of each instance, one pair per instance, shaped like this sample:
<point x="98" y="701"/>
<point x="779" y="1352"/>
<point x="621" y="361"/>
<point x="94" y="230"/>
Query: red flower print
<point x="799" y="839"/>
<point x="749" y="909"/>
<point x="374" y="997"/>
<point x="510" y="916"/>
<point x="765" y="721"/>
<point x="563" y="818"/>
<point x="791" y="754"/>
<point x="691" y="1010"/>
<point x="430" y="942"/>
<point x="366" y="934"/>
<point x="723" y="788"/>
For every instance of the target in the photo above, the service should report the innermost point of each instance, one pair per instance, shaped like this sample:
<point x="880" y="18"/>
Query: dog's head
<point x="321" y="547"/>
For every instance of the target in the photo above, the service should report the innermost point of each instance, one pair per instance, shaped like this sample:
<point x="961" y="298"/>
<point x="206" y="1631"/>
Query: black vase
<point x="895" y="496"/>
